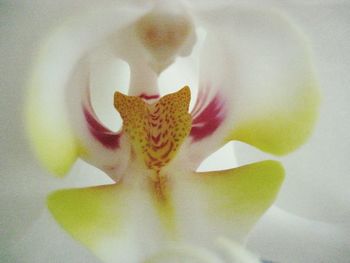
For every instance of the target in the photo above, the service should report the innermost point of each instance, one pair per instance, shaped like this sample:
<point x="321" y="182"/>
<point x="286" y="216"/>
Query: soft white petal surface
<point x="283" y="237"/>
<point x="256" y="64"/>
<point x="317" y="180"/>
<point x="46" y="110"/>
<point x="325" y="22"/>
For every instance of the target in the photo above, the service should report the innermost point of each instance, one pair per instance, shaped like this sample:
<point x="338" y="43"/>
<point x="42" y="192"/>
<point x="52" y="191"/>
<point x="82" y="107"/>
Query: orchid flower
<point x="256" y="85"/>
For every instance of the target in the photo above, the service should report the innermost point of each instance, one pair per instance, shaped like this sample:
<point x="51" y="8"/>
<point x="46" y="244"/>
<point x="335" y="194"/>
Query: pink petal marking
<point x="105" y="136"/>
<point x="149" y="97"/>
<point x="207" y="117"/>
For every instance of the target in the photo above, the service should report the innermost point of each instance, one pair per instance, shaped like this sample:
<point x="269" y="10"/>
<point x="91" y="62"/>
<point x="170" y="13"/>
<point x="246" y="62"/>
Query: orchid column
<point x="256" y="85"/>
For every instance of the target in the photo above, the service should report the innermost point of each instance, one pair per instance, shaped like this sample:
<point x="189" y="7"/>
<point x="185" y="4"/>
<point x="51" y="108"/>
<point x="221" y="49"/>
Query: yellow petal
<point x="50" y="133"/>
<point x="244" y="191"/>
<point x="280" y="131"/>
<point x="226" y="203"/>
<point x="88" y="214"/>
<point x="118" y="223"/>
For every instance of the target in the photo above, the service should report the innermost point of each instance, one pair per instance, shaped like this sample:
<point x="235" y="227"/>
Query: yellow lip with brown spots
<point x="156" y="131"/>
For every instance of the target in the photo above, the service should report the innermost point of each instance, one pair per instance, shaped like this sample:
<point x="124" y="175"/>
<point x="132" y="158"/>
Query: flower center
<point x="156" y="131"/>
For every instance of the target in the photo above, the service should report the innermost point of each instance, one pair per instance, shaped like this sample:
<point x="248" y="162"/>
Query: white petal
<point x="46" y="109"/>
<point x="256" y="65"/>
<point x="41" y="242"/>
<point x="222" y="250"/>
<point x="317" y="188"/>
<point x="283" y="237"/>
<point x="223" y="203"/>
<point x="316" y="185"/>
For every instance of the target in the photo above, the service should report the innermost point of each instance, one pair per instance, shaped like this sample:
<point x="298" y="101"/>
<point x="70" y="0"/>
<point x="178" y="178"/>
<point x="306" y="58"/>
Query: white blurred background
<point x="310" y="222"/>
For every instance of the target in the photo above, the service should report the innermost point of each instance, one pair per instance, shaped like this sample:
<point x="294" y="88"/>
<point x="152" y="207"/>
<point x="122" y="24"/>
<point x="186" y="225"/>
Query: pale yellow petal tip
<point x="244" y="191"/>
<point x="63" y="205"/>
<point x="53" y="145"/>
<point x="273" y="172"/>
<point x="89" y="214"/>
<point x="57" y="155"/>
<point x="281" y="132"/>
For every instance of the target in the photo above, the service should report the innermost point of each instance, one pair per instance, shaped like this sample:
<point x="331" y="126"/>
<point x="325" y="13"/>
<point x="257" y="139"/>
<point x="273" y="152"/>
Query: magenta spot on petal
<point x="207" y="118"/>
<point x="105" y="136"/>
<point x="149" y="97"/>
